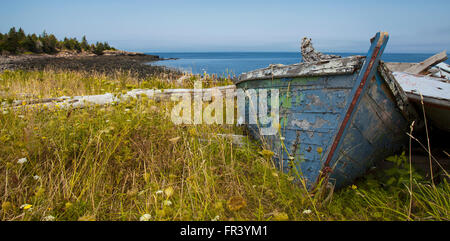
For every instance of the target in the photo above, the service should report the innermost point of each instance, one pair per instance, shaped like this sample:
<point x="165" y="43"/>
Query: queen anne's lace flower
<point x="145" y="217"/>
<point x="307" y="211"/>
<point x="48" y="218"/>
<point x="22" y="160"/>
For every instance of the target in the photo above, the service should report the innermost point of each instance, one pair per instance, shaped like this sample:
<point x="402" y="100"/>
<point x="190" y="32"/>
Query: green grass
<point x="123" y="161"/>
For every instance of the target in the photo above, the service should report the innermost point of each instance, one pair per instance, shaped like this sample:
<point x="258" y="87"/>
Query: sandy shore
<point x="104" y="63"/>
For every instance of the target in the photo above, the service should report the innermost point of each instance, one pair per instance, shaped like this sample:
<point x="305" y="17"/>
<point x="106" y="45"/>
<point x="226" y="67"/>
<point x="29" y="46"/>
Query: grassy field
<point x="130" y="162"/>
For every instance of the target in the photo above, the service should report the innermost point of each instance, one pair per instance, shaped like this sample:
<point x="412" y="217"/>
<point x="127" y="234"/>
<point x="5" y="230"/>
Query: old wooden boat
<point x="427" y="82"/>
<point x="433" y="92"/>
<point x="337" y="117"/>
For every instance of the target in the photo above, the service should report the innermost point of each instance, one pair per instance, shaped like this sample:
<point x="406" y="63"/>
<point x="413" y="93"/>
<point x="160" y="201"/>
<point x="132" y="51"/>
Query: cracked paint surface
<point x="311" y="109"/>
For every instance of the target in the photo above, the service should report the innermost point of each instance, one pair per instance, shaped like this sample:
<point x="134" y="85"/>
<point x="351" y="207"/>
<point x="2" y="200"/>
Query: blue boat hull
<point x="334" y="127"/>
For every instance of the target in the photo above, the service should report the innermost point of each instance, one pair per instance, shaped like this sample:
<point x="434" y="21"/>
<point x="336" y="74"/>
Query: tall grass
<point x="21" y="84"/>
<point x="123" y="161"/>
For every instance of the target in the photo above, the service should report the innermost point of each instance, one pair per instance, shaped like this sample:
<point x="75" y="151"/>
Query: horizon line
<point x="263" y="51"/>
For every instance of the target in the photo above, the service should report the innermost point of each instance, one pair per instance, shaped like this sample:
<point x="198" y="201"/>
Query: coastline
<point x="110" y="62"/>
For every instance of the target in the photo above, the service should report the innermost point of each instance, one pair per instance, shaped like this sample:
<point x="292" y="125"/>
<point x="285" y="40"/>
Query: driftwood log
<point x="110" y="98"/>
<point x="309" y="54"/>
<point x="159" y="95"/>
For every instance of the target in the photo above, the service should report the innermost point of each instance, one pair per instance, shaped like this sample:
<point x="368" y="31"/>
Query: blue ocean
<point x="235" y="63"/>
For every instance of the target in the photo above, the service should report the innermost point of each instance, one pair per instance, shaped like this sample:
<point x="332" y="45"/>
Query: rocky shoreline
<point x="109" y="63"/>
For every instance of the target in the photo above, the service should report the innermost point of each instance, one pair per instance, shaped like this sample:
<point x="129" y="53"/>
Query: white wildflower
<point x="145" y="217"/>
<point x="216" y="218"/>
<point x="22" y="160"/>
<point x="49" y="218"/>
<point x="307" y="211"/>
<point x="36" y="177"/>
<point x="167" y="203"/>
<point x="159" y="192"/>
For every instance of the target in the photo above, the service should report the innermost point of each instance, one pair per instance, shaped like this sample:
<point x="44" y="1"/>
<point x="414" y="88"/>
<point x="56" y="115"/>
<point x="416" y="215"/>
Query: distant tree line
<point x="17" y="42"/>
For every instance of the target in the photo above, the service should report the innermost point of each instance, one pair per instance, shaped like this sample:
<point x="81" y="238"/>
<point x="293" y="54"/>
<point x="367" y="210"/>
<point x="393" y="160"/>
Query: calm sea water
<point x="235" y="63"/>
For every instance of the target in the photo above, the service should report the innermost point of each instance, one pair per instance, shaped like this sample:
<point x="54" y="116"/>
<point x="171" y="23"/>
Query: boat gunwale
<point x="332" y="67"/>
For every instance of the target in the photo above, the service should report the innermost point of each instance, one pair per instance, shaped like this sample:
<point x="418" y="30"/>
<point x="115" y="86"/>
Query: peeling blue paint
<point x="311" y="112"/>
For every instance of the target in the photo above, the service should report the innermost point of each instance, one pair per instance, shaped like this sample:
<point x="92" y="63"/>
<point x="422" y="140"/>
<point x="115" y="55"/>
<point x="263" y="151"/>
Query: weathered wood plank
<point x="309" y="54"/>
<point x="437" y="91"/>
<point x="422" y="66"/>
<point x="400" y="67"/>
<point x="340" y="66"/>
<point x="443" y="66"/>
<point x="432" y="92"/>
<point x="442" y="70"/>
<point x="439" y="73"/>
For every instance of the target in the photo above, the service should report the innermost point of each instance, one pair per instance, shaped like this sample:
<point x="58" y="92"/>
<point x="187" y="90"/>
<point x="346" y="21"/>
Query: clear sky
<point x="238" y="25"/>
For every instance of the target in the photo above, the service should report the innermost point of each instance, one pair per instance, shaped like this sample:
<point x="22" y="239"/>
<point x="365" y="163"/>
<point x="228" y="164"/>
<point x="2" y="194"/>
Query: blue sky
<point x="175" y="25"/>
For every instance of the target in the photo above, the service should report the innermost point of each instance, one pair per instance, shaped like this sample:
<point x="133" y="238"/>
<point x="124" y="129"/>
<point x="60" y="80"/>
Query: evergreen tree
<point x="52" y="41"/>
<point x="66" y="43"/>
<point x="84" y="44"/>
<point x="1" y="42"/>
<point x="106" y="46"/>
<point x="37" y="43"/>
<point x="43" y="38"/>
<point x="59" y="45"/>
<point x="21" y="35"/>
<point x="29" y="44"/>
<point x="99" y="48"/>
<point x="18" y="42"/>
<point x="48" y="43"/>
<point x="12" y="43"/>
<point x="76" y="45"/>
